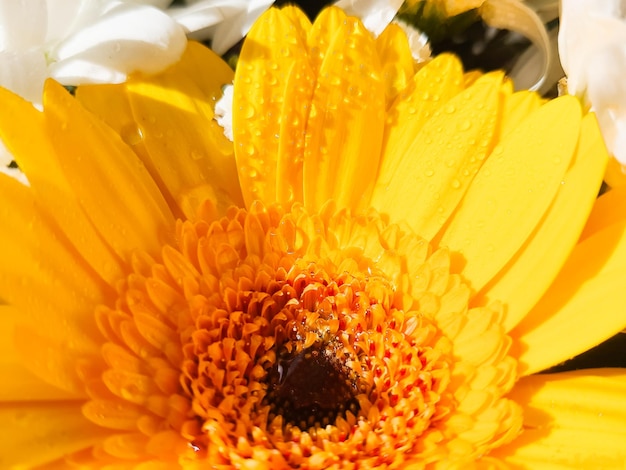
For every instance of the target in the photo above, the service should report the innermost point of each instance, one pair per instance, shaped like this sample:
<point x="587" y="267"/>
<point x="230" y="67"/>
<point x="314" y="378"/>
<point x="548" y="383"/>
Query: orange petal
<point x="607" y="210"/>
<point x="19" y="383"/>
<point x="38" y="433"/>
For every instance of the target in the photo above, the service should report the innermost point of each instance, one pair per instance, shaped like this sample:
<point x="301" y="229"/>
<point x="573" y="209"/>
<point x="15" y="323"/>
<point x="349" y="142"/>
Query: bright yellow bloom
<point x="368" y="278"/>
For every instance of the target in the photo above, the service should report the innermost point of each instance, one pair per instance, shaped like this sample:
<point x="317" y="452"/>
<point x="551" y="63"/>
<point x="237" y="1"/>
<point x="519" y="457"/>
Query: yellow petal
<point x="41" y="274"/>
<point x="299" y="19"/>
<point x="22" y="129"/>
<point x="583" y="307"/>
<point x="263" y="71"/>
<point x="299" y="84"/>
<point x="531" y="271"/>
<point x="322" y="34"/>
<point x="571" y="420"/>
<point x="517" y="107"/>
<point x="345" y="127"/>
<point x="615" y="176"/>
<point x="608" y="209"/>
<point x="397" y="61"/>
<point x="23" y="384"/>
<point x="135" y="213"/>
<point x="435" y="167"/>
<point x="184" y="148"/>
<point x="513" y="190"/>
<point x="41" y="432"/>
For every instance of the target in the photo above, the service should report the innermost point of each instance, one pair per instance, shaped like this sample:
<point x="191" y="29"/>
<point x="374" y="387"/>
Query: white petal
<point x="127" y="38"/>
<point x="592" y="47"/>
<point x="162" y="4"/>
<point x="375" y="14"/>
<point x="22" y="24"/>
<point x="203" y="14"/>
<point x="67" y="16"/>
<point x="15" y="173"/>
<point x="225" y="22"/>
<point x="224" y="112"/>
<point x="77" y="71"/>
<point x="227" y="34"/>
<point x="418" y="42"/>
<point x="24" y="73"/>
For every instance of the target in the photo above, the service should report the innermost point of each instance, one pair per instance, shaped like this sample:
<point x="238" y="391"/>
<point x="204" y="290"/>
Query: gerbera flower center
<point x="311" y="388"/>
<point x="291" y="338"/>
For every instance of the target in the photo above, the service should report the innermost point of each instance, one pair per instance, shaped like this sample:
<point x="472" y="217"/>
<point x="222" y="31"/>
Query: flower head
<point x="367" y="278"/>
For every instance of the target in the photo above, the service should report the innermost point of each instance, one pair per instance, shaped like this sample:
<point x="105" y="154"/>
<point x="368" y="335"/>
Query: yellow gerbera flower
<point x="366" y="279"/>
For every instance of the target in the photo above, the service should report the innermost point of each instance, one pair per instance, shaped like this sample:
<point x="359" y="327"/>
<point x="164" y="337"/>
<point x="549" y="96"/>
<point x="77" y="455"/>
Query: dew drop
<point x="456" y="184"/>
<point x="430" y="172"/>
<point x="131" y="134"/>
<point x="450" y="109"/>
<point x="465" y="125"/>
<point x="195" y="155"/>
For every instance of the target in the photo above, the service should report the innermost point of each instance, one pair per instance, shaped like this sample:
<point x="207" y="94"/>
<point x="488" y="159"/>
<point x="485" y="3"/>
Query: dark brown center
<point x="311" y="388"/>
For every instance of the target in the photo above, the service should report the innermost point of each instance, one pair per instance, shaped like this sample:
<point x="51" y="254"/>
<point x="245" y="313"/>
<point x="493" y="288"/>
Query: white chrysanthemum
<point x="82" y="42"/>
<point x="224" y="22"/>
<point x="592" y="46"/>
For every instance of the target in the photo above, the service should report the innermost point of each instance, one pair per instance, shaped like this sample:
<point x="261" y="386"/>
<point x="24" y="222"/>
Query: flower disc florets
<point x="300" y="340"/>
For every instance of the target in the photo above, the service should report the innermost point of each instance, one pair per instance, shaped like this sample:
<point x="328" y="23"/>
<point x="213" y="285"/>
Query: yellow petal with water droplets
<point x="135" y="213"/>
<point x="345" y="127"/>
<point x="23" y="384"/>
<point x="322" y="33"/>
<point x="182" y="146"/>
<point x="299" y="19"/>
<point x="608" y="209"/>
<point x="42" y="275"/>
<point x="470" y="77"/>
<point x="531" y="271"/>
<point x="517" y="107"/>
<point x="512" y="191"/>
<point x="299" y="85"/>
<point x="441" y="160"/>
<point x="266" y="60"/>
<point x="396" y="59"/>
<point x="583" y="307"/>
<point x="37" y="433"/>
<point x="431" y="88"/>
<point x="22" y="129"/>
<point x="571" y="420"/>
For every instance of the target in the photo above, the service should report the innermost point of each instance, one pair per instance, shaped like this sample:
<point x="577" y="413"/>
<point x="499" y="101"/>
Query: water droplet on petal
<point x="131" y="134"/>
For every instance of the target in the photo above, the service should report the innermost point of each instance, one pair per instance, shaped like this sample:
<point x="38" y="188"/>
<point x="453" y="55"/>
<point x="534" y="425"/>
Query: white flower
<point x="84" y="41"/>
<point x="225" y="22"/>
<point x="375" y="14"/>
<point x="592" y="47"/>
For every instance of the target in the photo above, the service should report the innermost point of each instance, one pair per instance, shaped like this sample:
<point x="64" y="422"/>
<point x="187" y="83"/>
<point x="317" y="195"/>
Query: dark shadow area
<point x="611" y="353"/>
